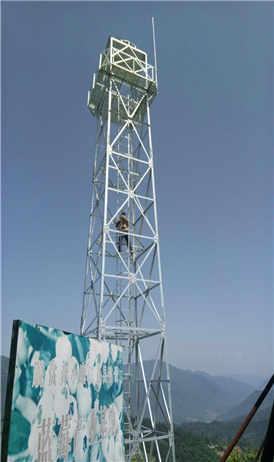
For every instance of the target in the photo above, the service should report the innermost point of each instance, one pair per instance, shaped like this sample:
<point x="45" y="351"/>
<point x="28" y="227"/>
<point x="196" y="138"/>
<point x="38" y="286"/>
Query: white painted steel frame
<point x="119" y="299"/>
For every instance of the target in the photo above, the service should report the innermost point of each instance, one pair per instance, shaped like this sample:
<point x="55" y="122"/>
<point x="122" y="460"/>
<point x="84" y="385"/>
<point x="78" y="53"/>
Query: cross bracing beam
<point x="123" y="295"/>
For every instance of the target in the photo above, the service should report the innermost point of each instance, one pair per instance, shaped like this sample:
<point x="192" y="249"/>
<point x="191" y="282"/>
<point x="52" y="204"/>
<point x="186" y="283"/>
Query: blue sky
<point x="212" y="128"/>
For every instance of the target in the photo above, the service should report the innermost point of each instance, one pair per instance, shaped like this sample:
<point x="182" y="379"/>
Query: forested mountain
<point x="245" y="407"/>
<point x="225" y="431"/>
<point x="260" y="415"/>
<point x="240" y="390"/>
<point x="202" y="442"/>
<point x="197" y="396"/>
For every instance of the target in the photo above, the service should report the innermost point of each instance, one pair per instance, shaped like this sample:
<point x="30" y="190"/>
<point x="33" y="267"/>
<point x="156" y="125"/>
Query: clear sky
<point x="212" y="127"/>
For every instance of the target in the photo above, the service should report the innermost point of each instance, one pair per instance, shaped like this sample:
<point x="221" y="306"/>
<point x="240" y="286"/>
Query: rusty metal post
<point x="247" y="421"/>
<point x="260" y="450"/>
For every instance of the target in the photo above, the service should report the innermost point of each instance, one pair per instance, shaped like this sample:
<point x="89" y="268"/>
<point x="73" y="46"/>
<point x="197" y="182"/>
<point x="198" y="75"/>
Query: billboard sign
<point x="64" y="398"/>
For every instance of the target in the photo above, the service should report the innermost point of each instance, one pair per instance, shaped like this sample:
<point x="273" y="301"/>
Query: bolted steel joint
<point x="156" y="238"/>
<point x="131" y="194"/>
<point x="100" y="308"/>
<point x="109" y="150"/>
<point x="106" y="229"/>
<point x="132" y="278"/>
<point x="135" y="436"/>
<point x="163" y="330"/>
<point x="150" y="163"/>
<point x="102" y="329"/>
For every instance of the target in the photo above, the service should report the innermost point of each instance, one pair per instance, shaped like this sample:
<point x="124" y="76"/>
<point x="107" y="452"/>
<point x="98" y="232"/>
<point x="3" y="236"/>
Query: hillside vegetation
<point x="194" y="447"/>
<point x="225" y="432"/>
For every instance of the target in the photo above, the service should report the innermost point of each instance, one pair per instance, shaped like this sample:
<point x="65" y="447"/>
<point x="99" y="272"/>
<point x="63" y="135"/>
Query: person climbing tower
<point x="123" y="225"/>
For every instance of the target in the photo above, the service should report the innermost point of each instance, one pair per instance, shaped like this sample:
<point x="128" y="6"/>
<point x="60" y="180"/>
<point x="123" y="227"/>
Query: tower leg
<point x="123" y="297"/>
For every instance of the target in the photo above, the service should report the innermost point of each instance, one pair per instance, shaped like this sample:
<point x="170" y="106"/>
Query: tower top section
<point x="128" y="64"/>
<point x="123" y="59"/>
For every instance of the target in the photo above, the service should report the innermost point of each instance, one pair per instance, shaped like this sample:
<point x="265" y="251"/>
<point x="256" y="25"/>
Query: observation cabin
<point x="128" y="66"/>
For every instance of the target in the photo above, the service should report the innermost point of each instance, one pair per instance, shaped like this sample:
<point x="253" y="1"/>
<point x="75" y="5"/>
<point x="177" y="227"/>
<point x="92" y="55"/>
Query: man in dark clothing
<point x="123" y="224"/>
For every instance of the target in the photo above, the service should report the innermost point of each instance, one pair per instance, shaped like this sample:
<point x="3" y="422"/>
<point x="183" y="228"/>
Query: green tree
<point x="237" y="456"/>
<point x="136" y="458"/>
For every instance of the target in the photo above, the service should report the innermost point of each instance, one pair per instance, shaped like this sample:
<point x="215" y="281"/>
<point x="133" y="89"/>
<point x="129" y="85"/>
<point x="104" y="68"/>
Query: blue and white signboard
<point x="64" y="398"/>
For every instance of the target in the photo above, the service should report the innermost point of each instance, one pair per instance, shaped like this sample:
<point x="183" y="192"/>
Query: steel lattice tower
<point x="123" y="295"/>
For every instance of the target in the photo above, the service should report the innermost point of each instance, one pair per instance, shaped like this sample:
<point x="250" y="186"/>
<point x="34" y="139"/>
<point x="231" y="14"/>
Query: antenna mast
<point x="155" y="57"/>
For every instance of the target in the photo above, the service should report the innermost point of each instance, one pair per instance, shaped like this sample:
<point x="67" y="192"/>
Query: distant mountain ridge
<point x="261" y="415"/>
<point x="240" y="389"/>
<point x="254" y="380"/>
<point x="196" y="396"/>
<point x="243" y="408"/>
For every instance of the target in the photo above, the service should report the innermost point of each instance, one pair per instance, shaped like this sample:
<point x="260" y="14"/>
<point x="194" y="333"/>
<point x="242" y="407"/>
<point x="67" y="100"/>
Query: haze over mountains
<point x="243" y="408"/>
<point x="196" y="396"/>
<point x="257" y="381"/>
